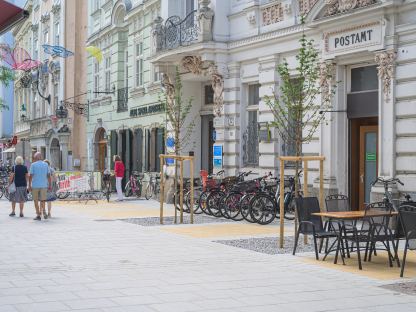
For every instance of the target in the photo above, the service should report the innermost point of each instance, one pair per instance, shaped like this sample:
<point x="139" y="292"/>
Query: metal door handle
<point x="362" y="178"/>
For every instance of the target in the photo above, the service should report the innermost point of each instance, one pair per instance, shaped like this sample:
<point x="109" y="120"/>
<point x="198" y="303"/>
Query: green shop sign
<point x="146" y="110"/>
<point x="370" y="156"/>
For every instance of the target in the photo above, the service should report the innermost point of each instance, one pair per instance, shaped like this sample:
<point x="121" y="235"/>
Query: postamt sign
<point x="367" y="36"/>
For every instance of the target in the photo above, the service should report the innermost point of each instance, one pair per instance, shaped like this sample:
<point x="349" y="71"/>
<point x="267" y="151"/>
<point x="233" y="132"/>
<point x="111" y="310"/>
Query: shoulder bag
<point x="12" y="186"/>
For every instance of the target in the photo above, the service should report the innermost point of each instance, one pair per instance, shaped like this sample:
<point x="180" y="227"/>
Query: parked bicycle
<point x="388" y="196"/>
<point x="264" y="207"/>
<point x="135" y="185"/>
<point x="106" y="184"/>
<point x="153" y="187"/>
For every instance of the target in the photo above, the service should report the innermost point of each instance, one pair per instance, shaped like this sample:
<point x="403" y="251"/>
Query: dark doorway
<point x="362" y="112"/>
<point x="207" y="141"/>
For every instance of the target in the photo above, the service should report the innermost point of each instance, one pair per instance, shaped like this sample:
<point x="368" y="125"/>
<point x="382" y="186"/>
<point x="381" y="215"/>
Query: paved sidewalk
<point x="78" y="262"/>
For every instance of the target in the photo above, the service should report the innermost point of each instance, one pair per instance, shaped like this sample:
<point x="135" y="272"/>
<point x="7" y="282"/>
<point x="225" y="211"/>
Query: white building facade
<point x="370" y="46"/>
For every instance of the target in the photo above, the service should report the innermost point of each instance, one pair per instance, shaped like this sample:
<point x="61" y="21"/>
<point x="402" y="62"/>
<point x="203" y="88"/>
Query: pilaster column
<point x="327" y="130"/>
<point x="268" y="139"/>
<point x="63" y="142"/>
<point x="386" y="133"/>
<point x="226" y="125"/>
<point x="119" y="142"/>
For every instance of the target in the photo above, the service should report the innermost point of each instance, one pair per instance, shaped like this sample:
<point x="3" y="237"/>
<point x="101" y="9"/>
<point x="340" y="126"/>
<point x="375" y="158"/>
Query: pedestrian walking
<point x="51" y="195"/>
<point x="119" y="172"/>
<point x="19" y="177"/>
<point x="39" y="183"/>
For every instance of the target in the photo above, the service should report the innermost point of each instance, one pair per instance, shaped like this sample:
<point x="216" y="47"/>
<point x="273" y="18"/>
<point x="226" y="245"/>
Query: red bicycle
<point x="135" y="185"/>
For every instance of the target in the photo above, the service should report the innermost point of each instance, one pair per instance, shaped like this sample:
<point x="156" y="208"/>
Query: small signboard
<point x="217" y="153"/>
<point x="370" y="156"/>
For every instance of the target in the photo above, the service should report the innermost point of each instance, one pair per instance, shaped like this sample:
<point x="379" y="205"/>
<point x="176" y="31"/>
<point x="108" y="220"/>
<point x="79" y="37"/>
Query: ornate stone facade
<point x="326" y="80"/>
<point x="342" y="6"/>
<point x="217" y="82"/>
<point x="272" y="14"/>
<point x="386" y="65"/>
<point x="193" y="64"/>
<point x="306" y="5"/>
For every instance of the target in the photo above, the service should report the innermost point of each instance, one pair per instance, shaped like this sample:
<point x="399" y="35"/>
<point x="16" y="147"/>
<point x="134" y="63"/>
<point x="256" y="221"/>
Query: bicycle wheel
<point x="290" y="207"/>
<point x="177" y="204"/>
<point x="6" y="193"/>
<point x="149" y="191"/>
<point x="1" y="192"/>
<point x="108" y="193"/>
<point x="127" y="190"/>
<point x="231" y="206"/>
<point x="202" y="203"/>
<point x="214" y="203"/>
<point x="263" y="209"/>
<point x="245" y="207"/>
<point x="62" y="195"/>
<point x="197" y="195"/>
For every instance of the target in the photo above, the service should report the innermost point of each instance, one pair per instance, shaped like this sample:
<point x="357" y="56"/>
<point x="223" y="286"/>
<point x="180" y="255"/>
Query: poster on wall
<point x="217" y="156"/>
<point x="170" y="149"/>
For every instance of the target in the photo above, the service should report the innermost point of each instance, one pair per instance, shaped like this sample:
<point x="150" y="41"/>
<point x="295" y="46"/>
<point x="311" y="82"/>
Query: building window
<point x="96" y="78"/>
<point x="209" y="95"/>
<point x="251" y="134"/>
<point x="364" y="79"/>
<point x="46" y="36"/>
<point x="56" y="33"/>
<point x="139" y="64"/>
<point x="55" y="95"/>
<point x="107" y="73"/>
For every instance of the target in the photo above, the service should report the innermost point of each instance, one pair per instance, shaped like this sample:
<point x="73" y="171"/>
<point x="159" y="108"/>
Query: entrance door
<point x="102" y="153"/>
<point x="368" y="162"/>
<point x="207" y="141"/>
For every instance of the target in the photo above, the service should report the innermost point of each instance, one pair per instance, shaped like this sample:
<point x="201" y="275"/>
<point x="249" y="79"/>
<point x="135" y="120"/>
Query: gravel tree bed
<point x="155" y="221"/>
<point x="408" y="288"/>
<point x="268" y="245"/>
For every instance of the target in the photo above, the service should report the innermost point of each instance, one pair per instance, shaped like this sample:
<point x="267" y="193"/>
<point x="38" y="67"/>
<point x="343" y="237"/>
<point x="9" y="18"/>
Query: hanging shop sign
<point x="362" y="37"/>
<point x="146" y="110"/>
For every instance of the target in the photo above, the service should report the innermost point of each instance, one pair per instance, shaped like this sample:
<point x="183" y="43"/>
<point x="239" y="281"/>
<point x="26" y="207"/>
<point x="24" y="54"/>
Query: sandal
<point x="12" y="214"/>
<point x="21" y="215"/>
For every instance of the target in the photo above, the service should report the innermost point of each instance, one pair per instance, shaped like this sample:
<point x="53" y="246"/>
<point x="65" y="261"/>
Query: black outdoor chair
<point x="310" y="224"/>
<point x="399" y="233"/>
<point x="408" y="223"/>
<point x="372" y="230"/>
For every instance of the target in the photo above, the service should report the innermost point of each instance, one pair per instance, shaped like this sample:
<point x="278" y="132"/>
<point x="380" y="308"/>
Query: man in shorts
<point x="39" y="183"/>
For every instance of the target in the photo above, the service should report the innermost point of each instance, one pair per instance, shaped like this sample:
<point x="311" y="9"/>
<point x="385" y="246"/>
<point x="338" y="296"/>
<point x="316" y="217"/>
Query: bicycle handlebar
<point x="387" y="182"/>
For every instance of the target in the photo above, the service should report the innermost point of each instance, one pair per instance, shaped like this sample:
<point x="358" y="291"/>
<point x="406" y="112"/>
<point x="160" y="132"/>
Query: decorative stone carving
<point x="54" y="70"/>
<point x="287" y="8"/>
<point x="205" y="17"/>
<point x="45" y="17"/>
<point x="217" y="82"/>
<point x="386" y="66"/>
<point x="306" y="5"/>
<point x="272" y="14"/>
<point x="192" y="64"/>
<point x="326" y="79"/>
<point x="251" y="17"/>
<point x="342" y="6"/>
<point x="35" y="27"/>
<point x="56" y="7"/>
<point x="157" y="33"/>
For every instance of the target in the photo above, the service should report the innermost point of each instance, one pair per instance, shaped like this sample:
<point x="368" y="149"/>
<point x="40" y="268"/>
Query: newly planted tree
<point x="179" y="123"/>
<point x="304" y="94"/>
<point x="6" y="77"/>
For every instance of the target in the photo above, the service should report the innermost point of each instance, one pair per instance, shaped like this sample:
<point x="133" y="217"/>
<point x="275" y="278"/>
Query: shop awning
<point x="10" y="150"/>
<point x="10" y="15"/>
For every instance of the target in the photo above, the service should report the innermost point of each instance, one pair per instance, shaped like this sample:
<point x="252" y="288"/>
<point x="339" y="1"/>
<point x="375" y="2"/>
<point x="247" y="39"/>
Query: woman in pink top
<point x="119" y="173"/>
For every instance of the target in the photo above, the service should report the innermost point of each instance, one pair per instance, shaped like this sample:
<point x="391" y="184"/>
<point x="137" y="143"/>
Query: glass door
<point x="368" y="162"/>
